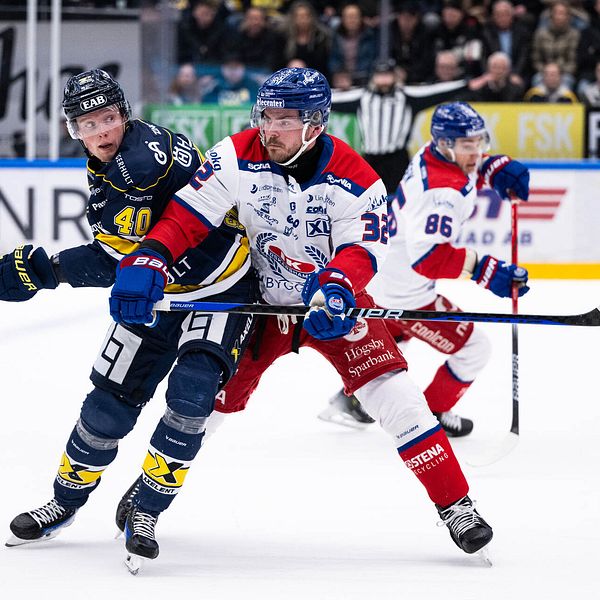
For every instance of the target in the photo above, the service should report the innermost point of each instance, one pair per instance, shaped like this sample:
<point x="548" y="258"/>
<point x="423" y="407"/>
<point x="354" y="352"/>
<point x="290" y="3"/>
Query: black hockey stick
<point x="510" y="441"/>
<point x="588" y="319"/>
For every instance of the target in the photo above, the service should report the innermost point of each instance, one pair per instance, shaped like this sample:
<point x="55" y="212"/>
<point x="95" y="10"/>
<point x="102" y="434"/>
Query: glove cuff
<point x="485" y="270"/>
<point x="330" y="275"/>
<point x="147" y="258"/>
<point x="491" y="165"/>
<point x="42" y="267"/>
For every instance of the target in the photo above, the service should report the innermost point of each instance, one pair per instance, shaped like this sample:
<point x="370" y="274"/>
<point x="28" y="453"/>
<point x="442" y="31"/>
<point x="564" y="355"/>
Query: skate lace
<point x="449" y="419"/>
<point x="459" y="517"/>
<point x="283" y="321"/>
<point x="144" y="524"/>
<point x="48" y="513"/>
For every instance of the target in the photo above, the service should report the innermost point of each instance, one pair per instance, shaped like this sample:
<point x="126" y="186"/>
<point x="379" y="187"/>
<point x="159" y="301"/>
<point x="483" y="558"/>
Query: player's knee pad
<point x="193" y="385"/>
<point x="106" y="415"/>
<point x="399" y="406"/>
<point x="467" y="363"/>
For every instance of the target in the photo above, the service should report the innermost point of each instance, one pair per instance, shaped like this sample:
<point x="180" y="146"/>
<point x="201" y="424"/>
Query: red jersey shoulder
<point x="346" y="162"/>
<point x="248" y="146"/>
<point x="442" y="173"/>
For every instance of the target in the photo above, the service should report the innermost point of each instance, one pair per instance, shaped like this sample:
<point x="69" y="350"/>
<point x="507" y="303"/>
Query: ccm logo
<point x="93" y="102"/>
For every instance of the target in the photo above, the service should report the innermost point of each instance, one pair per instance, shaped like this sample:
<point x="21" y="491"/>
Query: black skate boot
<point x="126" y="504"/>
<point x="139" y="538"/>
<point x="453" y="425"/>
<point x="468" y="530"/>
<point x="346" y="410"/>
<point x="40" y="524"/>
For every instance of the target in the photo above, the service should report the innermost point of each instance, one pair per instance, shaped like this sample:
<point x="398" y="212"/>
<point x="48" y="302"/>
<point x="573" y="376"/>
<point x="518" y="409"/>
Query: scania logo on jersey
<point x="95" y="102"/>
<point x="261" y="166"/>
<point x="291" y="264"/>
<point x="318" y="227"/>
<point x="339" y="181"/>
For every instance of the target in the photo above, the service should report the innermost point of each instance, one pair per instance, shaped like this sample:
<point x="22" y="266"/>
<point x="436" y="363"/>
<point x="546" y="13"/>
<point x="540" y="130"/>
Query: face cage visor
<point x="478" y="143"/>
<point x="94" y="123"/>
<point x="288" y="123"/>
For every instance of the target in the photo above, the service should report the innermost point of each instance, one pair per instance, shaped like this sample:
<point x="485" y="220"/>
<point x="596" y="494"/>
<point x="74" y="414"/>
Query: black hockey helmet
<point x="89" y="91"/>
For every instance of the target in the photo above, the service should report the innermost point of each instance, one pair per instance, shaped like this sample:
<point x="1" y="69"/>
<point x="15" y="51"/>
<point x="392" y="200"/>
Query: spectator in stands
<point x="307" y="39"/>
<point x="551" y="89"/>
<point x="410" y="43"/>
<point x="202" y="34"/>
<point x="556" y="43"/>
<point x="446" y="67"/>
<point x="461" y="35"/>
<point x="504" y="33"/>
<point x="256" y="41"/>
<point x="588" y="49"/>
<point x="233" y="87"/>
<point x="590" y="91"/>
<point x="354" y="47"/>
<point x="500" y="85"/>
<point x="185" y="87"/>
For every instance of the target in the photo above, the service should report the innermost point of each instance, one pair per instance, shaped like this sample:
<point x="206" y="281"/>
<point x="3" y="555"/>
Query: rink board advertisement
<point x="527" y="131"/>
<point x="45" y="206"/>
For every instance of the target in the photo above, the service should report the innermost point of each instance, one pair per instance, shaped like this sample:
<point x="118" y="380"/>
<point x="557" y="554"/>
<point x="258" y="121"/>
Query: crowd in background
<point x="535" y="51"/>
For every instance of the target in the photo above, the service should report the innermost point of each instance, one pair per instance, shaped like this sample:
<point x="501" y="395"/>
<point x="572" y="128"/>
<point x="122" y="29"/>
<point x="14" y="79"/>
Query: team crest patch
<point x="359" y="331"/>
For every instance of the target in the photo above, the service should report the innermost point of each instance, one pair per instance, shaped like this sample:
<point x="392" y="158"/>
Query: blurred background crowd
<point x="531" y="50"/>
<point x="219" y="51"/>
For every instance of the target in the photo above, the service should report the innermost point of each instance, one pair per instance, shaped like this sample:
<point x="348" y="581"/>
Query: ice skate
<point x="347" y="411"/>
<point x="453" y="425"/>
<point x="40" y="524"/>
<point x="125" y="505"/>
<point x="139" y="539"/>
<point x="468" y="530"/>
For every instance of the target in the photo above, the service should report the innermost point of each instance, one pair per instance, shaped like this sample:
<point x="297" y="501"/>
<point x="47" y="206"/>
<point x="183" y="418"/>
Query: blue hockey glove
<point x="328" y="293"/>
<point x="498" y="276"/>
<point x="24" y="272"/>
<point x="140" y="283"/>
<point x="506" y="175"/>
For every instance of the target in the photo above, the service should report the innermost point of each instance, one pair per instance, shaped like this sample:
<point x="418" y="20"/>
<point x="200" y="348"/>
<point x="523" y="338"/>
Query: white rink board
<point x="45" y="206"/>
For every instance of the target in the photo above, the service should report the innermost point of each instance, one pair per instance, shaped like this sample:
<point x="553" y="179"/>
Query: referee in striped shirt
<point x="386" y="111"/>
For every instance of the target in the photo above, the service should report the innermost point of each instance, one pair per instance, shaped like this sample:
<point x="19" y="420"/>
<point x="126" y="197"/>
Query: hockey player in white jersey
<point x="435" y="198"/>
<point x="316" y="217"/>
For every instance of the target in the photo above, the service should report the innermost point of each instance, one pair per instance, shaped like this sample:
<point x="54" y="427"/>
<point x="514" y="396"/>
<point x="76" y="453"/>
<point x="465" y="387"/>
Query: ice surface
<point x="280" y="505"/>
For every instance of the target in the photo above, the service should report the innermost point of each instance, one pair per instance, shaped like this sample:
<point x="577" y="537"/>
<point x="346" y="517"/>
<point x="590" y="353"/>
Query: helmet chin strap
<point x="305" y="144"/>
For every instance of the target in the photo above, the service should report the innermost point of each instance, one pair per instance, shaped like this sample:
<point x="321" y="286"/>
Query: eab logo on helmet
<point x="93" y="102"/>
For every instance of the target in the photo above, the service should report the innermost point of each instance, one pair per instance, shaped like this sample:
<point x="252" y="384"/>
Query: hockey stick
<point x="588" y="319"/>
<point x="509" y="443"/>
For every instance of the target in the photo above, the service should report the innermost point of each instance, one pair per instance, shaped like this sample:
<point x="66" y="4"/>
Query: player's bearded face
<point x="282" y="133"/>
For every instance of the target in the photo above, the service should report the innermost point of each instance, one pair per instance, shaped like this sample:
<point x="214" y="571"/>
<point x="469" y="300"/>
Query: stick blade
<point x="495" y="452"/>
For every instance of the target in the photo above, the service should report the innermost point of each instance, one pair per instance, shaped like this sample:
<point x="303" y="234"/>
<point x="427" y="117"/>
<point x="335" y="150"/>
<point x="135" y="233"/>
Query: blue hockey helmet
<point x="457" y="120"/>
<point x="298" y="88"/>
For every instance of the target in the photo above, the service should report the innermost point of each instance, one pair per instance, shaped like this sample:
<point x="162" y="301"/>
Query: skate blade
<point x="13" y="541"/>
<point x="333" y="415"/>
<point x="134" y="563"/>
<point x="484" y="556"/>
<point x="118" y="534"/>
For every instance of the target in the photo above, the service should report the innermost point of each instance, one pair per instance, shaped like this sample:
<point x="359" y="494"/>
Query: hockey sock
<point x="168" y="460"/>
<point x="82" y="464"/>
<point x="431" y="459"/>
<point x="445" y="390"/>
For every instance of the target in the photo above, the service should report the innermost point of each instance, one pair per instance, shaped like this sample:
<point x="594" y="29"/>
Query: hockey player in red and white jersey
<point x="315" y="213"/>
<point x="435" y="198"/>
